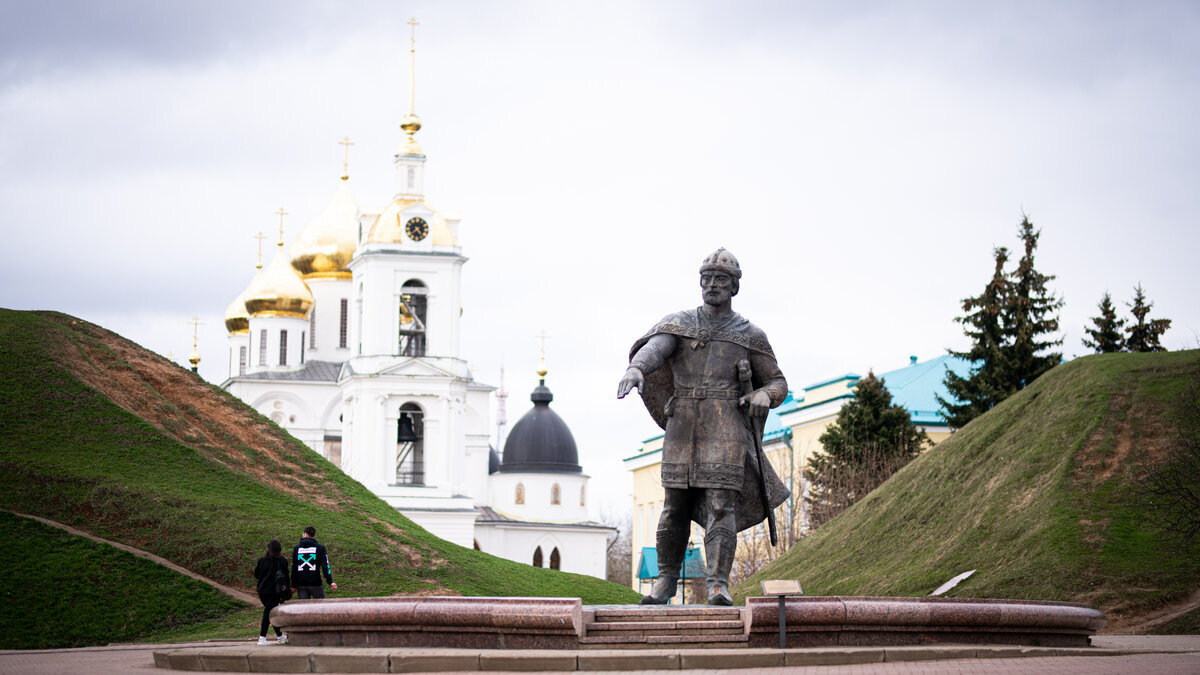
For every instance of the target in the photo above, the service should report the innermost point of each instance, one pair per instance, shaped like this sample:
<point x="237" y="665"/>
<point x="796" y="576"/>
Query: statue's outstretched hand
<point x="632" y="378"/>
<point x="759" y="403"/>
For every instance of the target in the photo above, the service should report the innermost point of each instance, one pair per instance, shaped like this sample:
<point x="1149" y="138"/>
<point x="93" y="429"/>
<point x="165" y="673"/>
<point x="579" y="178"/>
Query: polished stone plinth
<point x="564" y="623"/>
<point x="873" y="621"/>
<point x="473" y="623"/>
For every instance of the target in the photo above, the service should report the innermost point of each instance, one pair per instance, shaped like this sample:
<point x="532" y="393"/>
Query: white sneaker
<point x="282" y="639"/>
<point x="262" y="639"/>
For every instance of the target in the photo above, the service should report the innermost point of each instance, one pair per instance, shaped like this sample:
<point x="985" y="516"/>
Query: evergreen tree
<point x="871" y="439"/>
<point x="1106" y="336"/>
<point x="1144" y="333"/>
<point x="1007" y="325"/>
<point x="1032" y="312"/>
<point x="984" y="324"/>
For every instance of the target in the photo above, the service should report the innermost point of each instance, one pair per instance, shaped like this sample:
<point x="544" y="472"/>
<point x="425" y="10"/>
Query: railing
<point x="411" y="474"/>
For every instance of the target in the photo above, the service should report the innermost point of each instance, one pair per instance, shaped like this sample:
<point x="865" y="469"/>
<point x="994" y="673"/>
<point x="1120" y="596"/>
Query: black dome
<point x="540" y="441"/>
<point x="493" y="460"/>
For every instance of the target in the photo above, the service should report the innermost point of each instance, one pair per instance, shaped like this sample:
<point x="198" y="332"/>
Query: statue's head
<point x="719" y="277"/>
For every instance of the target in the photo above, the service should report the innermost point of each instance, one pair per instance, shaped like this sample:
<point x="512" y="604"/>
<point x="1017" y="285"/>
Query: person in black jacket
<point x="310" y="562"/>
<point x="268" y="571"/>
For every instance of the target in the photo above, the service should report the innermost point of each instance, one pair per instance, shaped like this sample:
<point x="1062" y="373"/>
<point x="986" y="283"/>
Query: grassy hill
<point x="107" y="437"/>
<point x="1044" y="496"/>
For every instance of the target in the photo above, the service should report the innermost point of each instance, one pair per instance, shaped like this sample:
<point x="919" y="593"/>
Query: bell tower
<point x="415" y="428"/>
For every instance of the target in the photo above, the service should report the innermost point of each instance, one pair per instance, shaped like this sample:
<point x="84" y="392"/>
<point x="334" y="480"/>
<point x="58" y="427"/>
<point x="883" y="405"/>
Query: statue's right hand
<point x="632" y="378"/>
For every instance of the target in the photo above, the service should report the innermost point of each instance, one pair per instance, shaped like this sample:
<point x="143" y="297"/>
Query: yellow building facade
<point x="790" y="438"/>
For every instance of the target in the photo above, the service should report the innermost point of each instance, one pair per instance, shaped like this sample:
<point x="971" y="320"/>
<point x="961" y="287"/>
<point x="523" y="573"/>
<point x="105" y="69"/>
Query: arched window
<point x="519" y="498"/>
<point x="555" y="494"/>
<point x="583" y="495"/>
<point x="476" y="541"/>
<point x="414" y="305"/>
<point x="412" y="177"/>
<point x="410" y="445"/>
<point x="555" y="559"/>
<point x="537" y="557"/>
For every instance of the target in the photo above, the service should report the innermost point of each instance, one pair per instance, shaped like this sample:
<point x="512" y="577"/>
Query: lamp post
<point x="683" y="569"/>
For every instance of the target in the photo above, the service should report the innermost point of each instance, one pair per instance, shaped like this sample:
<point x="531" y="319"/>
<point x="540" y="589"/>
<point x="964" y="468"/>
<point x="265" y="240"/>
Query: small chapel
<point x="349" y="340"/>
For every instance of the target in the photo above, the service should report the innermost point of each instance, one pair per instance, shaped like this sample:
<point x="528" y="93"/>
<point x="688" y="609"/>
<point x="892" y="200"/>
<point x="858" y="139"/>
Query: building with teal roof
<point x="790" y="437"/>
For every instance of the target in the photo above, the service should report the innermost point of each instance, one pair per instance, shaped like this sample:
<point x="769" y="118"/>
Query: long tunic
<point x="707" y="437"/>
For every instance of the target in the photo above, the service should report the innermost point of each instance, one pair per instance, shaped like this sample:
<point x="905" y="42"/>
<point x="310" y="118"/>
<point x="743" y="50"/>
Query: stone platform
<point x="565" y="624"/>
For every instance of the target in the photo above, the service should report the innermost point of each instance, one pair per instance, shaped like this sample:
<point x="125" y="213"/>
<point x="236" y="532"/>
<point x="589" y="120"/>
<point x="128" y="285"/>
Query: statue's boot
<point x="670" y="558"/>
<point x="719" y="546"/>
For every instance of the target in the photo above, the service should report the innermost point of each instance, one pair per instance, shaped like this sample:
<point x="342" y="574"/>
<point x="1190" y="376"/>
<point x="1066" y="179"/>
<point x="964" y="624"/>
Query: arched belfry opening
<point x="414" y="307"/>
<point x="410" y="445"/>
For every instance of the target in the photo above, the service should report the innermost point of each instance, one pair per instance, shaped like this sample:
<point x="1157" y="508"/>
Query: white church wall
<point x="326" y="318"/>
<point x="369" y="445"/>
<point x="239" y="348"/>
<point x="581" y="550"/>
<point x="537" y="488"/>
<point x="269" y="331"/>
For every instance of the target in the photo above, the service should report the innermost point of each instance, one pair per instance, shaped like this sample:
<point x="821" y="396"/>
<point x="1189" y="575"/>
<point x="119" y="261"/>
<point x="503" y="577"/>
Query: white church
<point x="350" y="342"/>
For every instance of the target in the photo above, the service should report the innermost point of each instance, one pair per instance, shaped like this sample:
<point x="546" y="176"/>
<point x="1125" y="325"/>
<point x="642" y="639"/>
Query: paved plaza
<point x="1144" y="655"/>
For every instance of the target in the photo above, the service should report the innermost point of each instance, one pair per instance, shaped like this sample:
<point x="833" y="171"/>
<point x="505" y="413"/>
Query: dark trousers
<point x="307" y="592"/>
<point x="269" y="603"/>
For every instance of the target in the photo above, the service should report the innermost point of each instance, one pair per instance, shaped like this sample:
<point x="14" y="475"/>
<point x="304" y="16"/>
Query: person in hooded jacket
<point x="267" y="572"/>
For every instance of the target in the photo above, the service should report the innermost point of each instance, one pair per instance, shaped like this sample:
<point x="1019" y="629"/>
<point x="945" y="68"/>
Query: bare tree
<point x="620" y="548"/>
<point x="1173" y="490"/>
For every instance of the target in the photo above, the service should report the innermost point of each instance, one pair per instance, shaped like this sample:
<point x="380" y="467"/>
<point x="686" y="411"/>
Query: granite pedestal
<point x="564" y="623"/>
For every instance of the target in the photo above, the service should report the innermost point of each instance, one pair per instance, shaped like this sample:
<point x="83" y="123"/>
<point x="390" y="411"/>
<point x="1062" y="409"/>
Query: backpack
<point x="282" y="589"/>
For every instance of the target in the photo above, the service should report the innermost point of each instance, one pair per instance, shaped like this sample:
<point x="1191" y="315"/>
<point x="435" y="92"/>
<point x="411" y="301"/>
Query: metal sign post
<point x="782" y="588"/>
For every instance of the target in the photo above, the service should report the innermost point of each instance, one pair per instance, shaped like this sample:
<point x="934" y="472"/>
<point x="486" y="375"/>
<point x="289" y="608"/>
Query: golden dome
<point x="327" y="243"/>
<point x="279" y="291"/>
<point x="237" y="319"/>
<point x="388" y="227"/>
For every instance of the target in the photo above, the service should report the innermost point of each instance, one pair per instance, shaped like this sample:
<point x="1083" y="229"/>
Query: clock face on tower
<point x="416" y="229"/>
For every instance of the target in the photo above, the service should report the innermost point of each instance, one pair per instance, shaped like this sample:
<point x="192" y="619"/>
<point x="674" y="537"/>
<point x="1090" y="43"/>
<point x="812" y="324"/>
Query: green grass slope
<point x="75" y="592"/>
<point x="1043" y="496"/>
<point x="107" y="437"/>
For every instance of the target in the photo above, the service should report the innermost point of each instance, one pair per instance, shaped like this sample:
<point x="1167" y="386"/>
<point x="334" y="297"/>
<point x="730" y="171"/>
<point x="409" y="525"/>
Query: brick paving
<point x="140" y="659"/>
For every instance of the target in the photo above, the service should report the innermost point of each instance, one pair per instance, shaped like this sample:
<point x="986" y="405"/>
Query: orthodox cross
<point x="281" y="213"/>
<point x="542" y="353"/>
<point x="260" y="236"/>
<point x="196" y="323"/>
<point x="412" y="65"/>
<point x="345" y="143"/>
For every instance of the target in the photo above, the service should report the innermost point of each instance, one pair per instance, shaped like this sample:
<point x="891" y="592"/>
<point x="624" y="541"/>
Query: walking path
<point x="231" y="592"/>
<point x="1142" y="654"/>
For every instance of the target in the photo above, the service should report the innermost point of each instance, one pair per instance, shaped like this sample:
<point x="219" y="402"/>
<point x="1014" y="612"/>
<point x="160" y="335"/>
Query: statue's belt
<point x="706" y="393"/>
<point x="706" y="335"/>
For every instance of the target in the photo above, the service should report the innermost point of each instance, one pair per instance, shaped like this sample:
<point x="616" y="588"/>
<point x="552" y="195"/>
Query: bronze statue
<point x="708" y="378"/>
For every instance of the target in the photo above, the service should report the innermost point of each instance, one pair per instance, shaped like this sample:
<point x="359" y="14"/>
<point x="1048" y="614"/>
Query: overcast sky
<point x="860" y="159"/>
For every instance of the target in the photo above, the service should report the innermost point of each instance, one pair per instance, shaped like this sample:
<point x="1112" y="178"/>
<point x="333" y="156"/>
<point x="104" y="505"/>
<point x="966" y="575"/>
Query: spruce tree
<point x="1007" y="325"/>
<point x="984" y="324"/>
<point x="1032" y="314"/>
<point x="1143" y="333"/>
<point x="1107" y="336"/>
<point x="871" y="439"/>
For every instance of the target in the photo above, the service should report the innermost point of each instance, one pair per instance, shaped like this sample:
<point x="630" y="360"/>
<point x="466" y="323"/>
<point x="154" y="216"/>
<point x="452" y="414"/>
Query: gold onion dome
<point x="279" y="291"/>
<point x="237" y="319"/>
<point x="389" y="226"/>
<point x="411" y="124"/>
<point x="326" y="244"/>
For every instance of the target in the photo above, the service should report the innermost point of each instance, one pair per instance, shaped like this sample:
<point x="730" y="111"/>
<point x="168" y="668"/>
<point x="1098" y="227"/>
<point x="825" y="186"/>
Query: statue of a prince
<point x="708" y="378"/>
